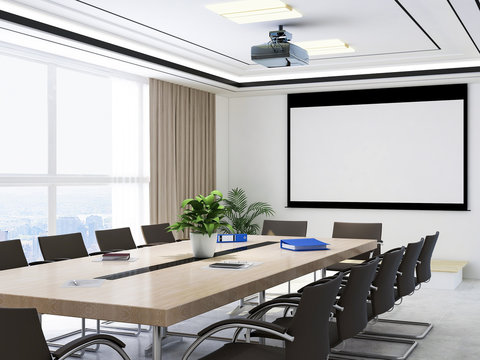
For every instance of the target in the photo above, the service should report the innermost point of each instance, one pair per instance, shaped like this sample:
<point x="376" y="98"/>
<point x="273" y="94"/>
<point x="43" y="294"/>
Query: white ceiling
<point x="388" y="36"/>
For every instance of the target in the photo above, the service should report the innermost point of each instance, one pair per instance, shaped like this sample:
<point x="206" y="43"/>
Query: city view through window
<point x="23" y="214"/>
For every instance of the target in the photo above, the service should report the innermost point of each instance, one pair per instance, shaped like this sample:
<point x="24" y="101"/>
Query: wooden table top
<point x="167" y="296"/>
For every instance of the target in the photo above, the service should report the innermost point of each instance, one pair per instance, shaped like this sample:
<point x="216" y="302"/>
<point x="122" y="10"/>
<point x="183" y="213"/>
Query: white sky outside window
<point x="23" y="117"/>
<point x="84" y="123"/>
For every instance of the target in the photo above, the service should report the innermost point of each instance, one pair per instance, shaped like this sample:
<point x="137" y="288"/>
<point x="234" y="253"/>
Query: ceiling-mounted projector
<point x="279" y="52"/>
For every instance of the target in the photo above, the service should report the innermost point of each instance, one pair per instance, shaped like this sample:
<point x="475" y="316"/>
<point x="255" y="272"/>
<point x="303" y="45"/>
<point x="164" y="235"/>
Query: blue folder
<point x="307" y="244"/>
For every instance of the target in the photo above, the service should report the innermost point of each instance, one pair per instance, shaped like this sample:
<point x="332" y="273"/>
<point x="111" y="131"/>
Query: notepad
<point x="231" y="265"/>
<point x="307" y="244"/>
<point x="115" y="256"/>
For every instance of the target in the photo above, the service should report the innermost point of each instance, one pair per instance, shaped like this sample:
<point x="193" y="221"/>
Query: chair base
<point x="52" y="342"/>
<point x="402" y="329"/>
<point x="373" y="347"/>
<point x="134" y="330"/>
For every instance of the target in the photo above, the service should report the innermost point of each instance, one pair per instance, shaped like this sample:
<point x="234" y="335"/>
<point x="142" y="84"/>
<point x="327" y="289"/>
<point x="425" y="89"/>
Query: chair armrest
<point x="153" y="244"/>
<point x="241" y="322"/>
<point x="98" y="253"/>
<point x="85" y="341"/>
<point x="289" y="296"/>
<point x="39" y="262"/>
<point x="274" y="329"/>
<point x="262" y="308"/>
<point x="145" y="245"/>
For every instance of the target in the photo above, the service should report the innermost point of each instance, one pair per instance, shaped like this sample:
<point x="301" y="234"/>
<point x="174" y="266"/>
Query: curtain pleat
<point x="182" y="147"/>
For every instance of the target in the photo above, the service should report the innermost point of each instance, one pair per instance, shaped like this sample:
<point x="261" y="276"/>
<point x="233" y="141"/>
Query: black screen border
<point x="379" y="96"/>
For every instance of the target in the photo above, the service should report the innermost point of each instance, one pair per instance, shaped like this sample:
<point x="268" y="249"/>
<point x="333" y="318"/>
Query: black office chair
<point x="22" y="338"/>
<point x="116" y="240"/>
<point x="350" y="230"/>
<point x="352" y="316"/>
<point x="12" y="255"/>
<point x="424" y="272"/>
<point x="404" y="286"/>
<point x="64" y="247"/>
<point x="350" y="309"/>
<point x="380" y="300"/>
<point x="156" y="234"/>
<point x="306" y="336"/>
<point x="284" y="228"/>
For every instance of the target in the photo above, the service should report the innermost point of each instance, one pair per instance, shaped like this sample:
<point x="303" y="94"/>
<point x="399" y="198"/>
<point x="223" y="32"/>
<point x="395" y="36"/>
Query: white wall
<point x="257" y="149"/>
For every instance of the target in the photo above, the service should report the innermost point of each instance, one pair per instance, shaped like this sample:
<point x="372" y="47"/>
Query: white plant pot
<point x="203" y="246"/>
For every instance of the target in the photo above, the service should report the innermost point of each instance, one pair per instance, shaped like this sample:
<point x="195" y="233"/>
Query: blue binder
<point x="307" y="244"/>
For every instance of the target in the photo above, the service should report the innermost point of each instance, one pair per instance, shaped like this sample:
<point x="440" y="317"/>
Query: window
<point x="74" y="145"/>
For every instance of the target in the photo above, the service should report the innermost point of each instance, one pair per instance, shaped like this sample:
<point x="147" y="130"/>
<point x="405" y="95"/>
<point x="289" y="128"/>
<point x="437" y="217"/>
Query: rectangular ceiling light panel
<point x="250" y="11"/>
<point x="325" y="47"/>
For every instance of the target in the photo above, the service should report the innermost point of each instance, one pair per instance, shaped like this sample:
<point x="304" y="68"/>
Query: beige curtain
<point x="182" y="147"/>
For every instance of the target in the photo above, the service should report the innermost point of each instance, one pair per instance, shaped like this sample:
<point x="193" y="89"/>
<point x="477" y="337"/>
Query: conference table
<point x="163" y="285"/>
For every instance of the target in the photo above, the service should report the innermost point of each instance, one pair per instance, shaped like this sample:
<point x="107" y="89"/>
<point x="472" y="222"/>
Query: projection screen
<point x="398" y="148"/>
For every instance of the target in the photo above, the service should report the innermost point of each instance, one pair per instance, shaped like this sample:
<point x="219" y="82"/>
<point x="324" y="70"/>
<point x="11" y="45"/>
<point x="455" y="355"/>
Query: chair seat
<point x="242" y="351"/>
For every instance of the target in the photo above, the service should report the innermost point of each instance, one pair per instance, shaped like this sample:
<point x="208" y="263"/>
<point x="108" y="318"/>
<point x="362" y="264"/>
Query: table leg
<point x="261" y="297"/>
<point x="261" y="300"/>
<point x="158" y="333"/>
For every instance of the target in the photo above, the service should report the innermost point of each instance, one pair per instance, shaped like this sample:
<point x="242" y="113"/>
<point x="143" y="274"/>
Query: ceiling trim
<point x="54" y="30"/>
<point x="463" y="25"/>
<point x="419" y="26"/>
<point x="20" y="20"/>
<point x="122" y="60"/>
<point x="249" y="64"/>
<point x="385" y="75"/>
<point x="160" y="31"/>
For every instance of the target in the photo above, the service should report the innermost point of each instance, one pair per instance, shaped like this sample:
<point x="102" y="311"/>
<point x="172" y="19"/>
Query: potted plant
<point x="203" y="216"/>
<point x="241" y="215"/>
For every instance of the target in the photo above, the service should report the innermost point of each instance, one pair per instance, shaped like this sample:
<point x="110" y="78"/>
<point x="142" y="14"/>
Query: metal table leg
<point x="158" y="333"/>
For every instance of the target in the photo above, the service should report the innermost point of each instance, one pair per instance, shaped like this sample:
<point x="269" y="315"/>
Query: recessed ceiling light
<point x="250" y="11"/>
<point x="324" y="47"/>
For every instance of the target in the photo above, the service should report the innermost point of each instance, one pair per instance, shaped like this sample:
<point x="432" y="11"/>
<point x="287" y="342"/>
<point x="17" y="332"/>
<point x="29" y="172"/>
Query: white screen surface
<point x="407" y="152"/>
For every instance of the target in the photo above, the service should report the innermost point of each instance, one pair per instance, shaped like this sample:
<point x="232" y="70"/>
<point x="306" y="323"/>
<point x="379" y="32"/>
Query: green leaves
<point x="202" y="215"/>
<point x="241" y="215"/>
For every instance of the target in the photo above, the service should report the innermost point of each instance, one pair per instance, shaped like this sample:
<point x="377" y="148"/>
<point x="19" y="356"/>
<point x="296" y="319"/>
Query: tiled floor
<point x="454" y="313"/>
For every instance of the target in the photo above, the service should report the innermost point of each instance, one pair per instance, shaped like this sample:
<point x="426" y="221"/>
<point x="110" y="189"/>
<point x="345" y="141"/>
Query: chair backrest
<point x="349" y="230"/>
<point x="21" y="335"/>
<point x="115" y="239"/>
<point x="12" y="255"/>
<point x="310" y="325"/>
<point x="406" y="280"/>
<point x="424" y="272"/>
<point x="68" y="246"/>
<point x="383" y="298"/>
<point x="284" y="228"/>
<point x="353" y="299"/>
<point x="157" y="233"/>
